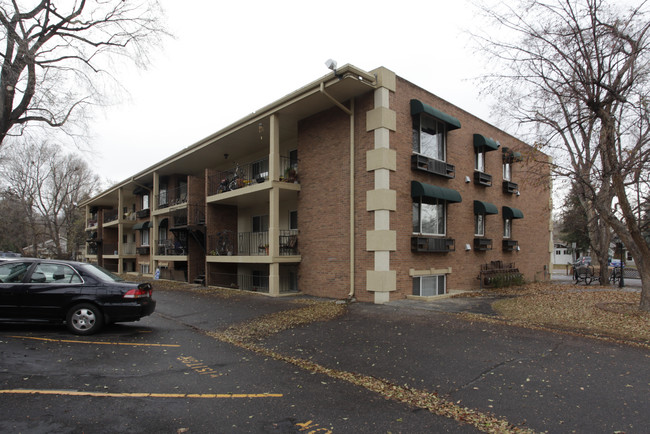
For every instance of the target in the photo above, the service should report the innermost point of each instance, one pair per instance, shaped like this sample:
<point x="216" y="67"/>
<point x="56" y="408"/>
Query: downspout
<point x="349" y="112"/>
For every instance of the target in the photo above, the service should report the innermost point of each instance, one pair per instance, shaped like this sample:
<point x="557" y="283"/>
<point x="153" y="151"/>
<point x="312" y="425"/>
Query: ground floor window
<point x="426" y="286"/>
<point x="144" y="268"/>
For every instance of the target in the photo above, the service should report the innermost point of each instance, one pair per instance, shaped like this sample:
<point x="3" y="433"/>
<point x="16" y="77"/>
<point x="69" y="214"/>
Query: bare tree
<point x="576" y="72"/>
<point x="57" y="53"/>
<point x="49" y="185"/>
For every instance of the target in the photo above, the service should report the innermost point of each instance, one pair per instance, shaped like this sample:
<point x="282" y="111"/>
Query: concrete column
<point x="274" y="148"/>
<point x="274" y="240"/>
<point x="120" y="229"/>
<point x="382" y="200"/>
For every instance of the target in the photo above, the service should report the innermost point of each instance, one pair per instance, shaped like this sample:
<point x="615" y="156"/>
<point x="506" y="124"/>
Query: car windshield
<point x="99" y="273"/>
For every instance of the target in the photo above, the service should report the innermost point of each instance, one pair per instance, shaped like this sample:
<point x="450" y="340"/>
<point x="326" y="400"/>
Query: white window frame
<point x="507" y="228"/>
<point x="291" y="226"/>
<point x="144" y="238"/>
<point x="418" y="208"/>
<point x="479" y="160"/>
<point x="436" y="280"/>
<point x="479" y="225"/>
<point x="145" y="201"/>
<point x="507" y="171"/>
<point x="440" y="133"/>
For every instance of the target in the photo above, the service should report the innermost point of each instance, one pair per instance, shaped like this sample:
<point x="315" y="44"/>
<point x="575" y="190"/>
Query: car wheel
<point x="84" y="319"/>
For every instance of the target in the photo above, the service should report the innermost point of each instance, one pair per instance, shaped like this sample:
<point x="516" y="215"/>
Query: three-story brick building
<point x="360" y="184"/>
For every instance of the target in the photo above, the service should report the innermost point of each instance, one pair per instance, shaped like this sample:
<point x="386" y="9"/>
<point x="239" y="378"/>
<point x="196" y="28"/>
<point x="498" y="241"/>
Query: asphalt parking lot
<point x="167" y="374"/>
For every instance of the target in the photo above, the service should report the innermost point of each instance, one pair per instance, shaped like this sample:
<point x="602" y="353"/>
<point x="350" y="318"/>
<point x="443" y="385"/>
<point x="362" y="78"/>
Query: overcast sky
<point x="229" y="59"/>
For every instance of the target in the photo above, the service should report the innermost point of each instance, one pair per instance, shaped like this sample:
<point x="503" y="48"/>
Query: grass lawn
<point x="592" y="310"/>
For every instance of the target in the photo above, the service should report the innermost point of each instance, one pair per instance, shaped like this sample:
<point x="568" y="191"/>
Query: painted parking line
<point x="140" y="395"/>
<point x="70" y="341"/>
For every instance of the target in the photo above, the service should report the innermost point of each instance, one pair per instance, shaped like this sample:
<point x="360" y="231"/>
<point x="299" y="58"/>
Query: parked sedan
<point x="82" y="295"/>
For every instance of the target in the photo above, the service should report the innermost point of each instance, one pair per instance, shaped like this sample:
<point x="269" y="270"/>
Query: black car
<point x="83" y="295"/>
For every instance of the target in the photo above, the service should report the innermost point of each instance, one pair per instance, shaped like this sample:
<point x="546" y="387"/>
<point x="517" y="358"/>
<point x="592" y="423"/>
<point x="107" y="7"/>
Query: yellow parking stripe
<point x="140" y="395"/>
<point x="69" y="341"/>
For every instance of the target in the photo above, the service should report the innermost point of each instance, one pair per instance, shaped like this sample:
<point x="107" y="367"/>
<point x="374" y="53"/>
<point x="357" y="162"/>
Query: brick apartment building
<point x="360" y="184"/>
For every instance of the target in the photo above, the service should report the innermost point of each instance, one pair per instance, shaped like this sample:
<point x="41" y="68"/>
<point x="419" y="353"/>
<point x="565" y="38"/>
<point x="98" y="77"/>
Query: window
<point x="558" y="252"/>
<point x="163" y="195"/>
<point x="182" y="191"/>
<point x="144" y="237"/>
<point x="293" y="220"/>
<point x="162" y="235"/>
<point x="507" y="171"/>
<point x="145" y="201"/>
<point x="479" y="160"/>
<point x="429" y="218"/>
<point x="53" y="273"/>
<point x="427" y="286"/>
<point x="507" y="228"/>
<point x="293" y="159"/>
<point x="144" y="268"/>
<point x="261" y="223"/>
<point x="261" y="169"/>
<point x="479" y="225"/>
<point x="429" y="137"/>
<point x="13" y="272"/>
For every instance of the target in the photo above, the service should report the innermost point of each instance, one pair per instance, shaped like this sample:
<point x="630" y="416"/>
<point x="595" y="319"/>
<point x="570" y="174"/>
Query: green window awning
<point x="140" y="226"/>
<point x="418" y="107"/>
<point x="485" y="208"/>
<point x="486" y="143"/>
<point x="420" y="189"/>
<point x="512" y="213"/>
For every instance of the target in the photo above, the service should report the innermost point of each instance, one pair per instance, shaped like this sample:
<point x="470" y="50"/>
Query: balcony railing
<point x="109" y="249"/>
<point x="482" y="244"/>
<point x="431" y="244"/>
<point x="171" y="248"/>
<point x="244" y="175"/>
<point x="510" y="187"/>
<point x="143" y="250"/>
<point x="110" y="215"/>
<point x="484" y="179"/>
<point x="228" y="243"/>
<point x="91" y="223"/>
<point x="128" y="249"/>
<point x="143" y="213"/>
<point x="251" y="282"/>
<point x="437" y="167"/>
<point x="172" y="197"/>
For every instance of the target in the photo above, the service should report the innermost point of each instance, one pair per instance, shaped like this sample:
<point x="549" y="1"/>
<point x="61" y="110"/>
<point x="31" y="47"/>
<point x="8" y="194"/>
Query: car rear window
<point x="99" y="273"/>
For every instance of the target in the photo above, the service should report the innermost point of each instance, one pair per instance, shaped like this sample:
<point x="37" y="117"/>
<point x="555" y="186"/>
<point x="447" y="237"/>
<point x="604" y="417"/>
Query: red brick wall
<point x="532" y="231"/>
<point x="323" y="205"/>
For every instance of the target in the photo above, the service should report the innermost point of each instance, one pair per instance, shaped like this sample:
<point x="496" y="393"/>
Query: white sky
<point x="231" y="58"/>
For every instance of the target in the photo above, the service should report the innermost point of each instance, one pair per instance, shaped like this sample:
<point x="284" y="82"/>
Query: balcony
<point x="432" y="245"/>
<point x="109" y="249"/>
<point x="228" y="243"/>
<point x="482" y="244"/>
<point x="510" y="187"/>
<point x="128" y="249"/>
<point x="253" y="173"/>
<point x="143" y="213"/>
<point x="172" y="197"/>
<point x="110" y="215"/>
<point x="144" y="250"/>
<point x="171" y="248"/>
<point x="429" y="165"/>
<point x="91" y="223"/>
<point x="483" y="179"/>
<point x="510" y="245"/>
<point x="257" y="282"/>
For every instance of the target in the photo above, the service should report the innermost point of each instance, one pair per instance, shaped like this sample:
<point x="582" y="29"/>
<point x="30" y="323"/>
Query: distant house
<point x="46" y="249"/>
<point x="562" y="254"/>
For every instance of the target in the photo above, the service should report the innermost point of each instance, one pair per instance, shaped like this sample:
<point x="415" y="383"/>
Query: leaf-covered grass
<point x="592" y="310"/>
